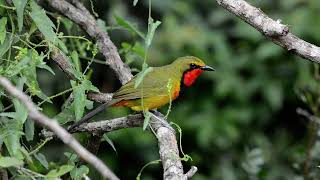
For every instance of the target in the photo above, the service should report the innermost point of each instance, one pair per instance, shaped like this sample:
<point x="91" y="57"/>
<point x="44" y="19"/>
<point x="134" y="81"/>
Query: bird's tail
<point x="92" y="113"/>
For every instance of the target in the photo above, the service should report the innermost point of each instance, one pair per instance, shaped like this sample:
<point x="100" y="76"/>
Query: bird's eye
<point x="193" y="66"/>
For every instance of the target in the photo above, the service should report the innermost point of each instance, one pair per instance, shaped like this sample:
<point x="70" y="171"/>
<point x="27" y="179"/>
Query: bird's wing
<point x="154" y="83"/>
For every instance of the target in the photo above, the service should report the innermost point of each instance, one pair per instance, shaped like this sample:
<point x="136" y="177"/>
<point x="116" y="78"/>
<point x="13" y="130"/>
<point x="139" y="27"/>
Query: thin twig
<point x="58" y="130"/>
<point x="312" y="130"/>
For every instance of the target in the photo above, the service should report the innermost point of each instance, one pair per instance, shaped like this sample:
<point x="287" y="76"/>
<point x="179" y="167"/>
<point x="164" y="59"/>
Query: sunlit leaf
<point x="89" y="86"/>
<point x="75" y="60"/>
<point x="21" y="111"/>
<point x="43" y="22"/>
<point x="29" y="129"/>
<point x="3" y="31"/>
<point x="109" y="141"/>
<point x="46" y="67"/>
<point x="30" y="74"/>
<point x="128" y="26"/>
<point x="42" y="159"/>
<point x="5" y="46"/>
<point x="20" y="5"/>
<point x="45" y="25"/>
<point x="152" y="26"/>
<point x="66" y="115"/>
<point x="78" y="173"/>
<point x="60" y="171"/>
<point x="9" y="162"/>
<point x="79" y="93"/>
<point x="10" y="133"/>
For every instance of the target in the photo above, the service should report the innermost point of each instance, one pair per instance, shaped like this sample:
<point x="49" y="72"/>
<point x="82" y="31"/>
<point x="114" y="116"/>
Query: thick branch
<point x="61" y="60"/>
<point x="58" y="130"/>
<point x="111" y="125"/>
<point x="274" y="30"/>
<point x="105" y="45"/>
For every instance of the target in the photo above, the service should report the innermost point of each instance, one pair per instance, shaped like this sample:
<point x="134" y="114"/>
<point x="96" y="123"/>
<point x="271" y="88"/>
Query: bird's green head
<point x="190" y="68"/>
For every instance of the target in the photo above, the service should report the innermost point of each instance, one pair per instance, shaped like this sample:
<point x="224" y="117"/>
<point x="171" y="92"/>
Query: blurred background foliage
<point x="239" y="122"/>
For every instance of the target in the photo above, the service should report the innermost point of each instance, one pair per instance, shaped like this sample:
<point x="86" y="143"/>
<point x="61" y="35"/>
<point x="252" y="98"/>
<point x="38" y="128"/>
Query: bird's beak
<point x="207" y="68"/>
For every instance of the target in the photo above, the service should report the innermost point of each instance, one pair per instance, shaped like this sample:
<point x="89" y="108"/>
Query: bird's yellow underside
<point x="151" y="102"/>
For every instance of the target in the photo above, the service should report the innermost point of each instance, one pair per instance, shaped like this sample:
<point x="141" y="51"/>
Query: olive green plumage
<point x="158" y="86"/>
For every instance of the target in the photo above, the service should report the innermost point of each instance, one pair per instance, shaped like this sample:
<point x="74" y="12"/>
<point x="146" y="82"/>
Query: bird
<point x="158" y="86"/>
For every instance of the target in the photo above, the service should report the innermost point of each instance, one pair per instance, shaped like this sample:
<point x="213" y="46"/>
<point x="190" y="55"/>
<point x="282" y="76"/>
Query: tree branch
<point x="169" y="152"/>
<point x="111" y="125"/>
<point x="58" y="130"/>
<point x="274" y="30"/>
<point x="105" y="45"/>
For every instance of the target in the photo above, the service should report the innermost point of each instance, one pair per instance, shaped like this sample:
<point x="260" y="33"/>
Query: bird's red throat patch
<point x="190" y="76"/>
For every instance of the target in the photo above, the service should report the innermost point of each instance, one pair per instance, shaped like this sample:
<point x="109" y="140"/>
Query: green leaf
<point x="89" y="86"/>
<point x="141" y="75"/>
<point x="79" y="93"/>
<point x="21" y="111"/>
<point x="14" y="70"/>
<point x="42" y="159"/>
<point x="30" y="74"/>
<point x="67" y="23"/>
<point x="128" y="26"/>
<point x="40" y="63"/>
<point x="109" y="141"/>
<point x="75" y="60"/>
<point x="138" y="49"/>
<point x="72" y="157"/>
<point x="45" y="25"/>
<point x="62" y="46"/>
<point x="61" y="171"/>
<point x="66" y="115"/>
<point x="147" y="117"/>
<point x="3" y="31"/>
<point x="10" y="133"/>
<point x="152" y="26"/>
<point x="9" y="162"/>
<point x="46" y="67"/>
<point x="20" y="5"/>
<point x="43" y="22"/>
<point x="8" y="114"/>
<point x="27" y="157"/>
<point x="5" y="46"/>
<point x="78" y="173"/>
<point x="89" y="104"/>
<point x="29" y="129"/>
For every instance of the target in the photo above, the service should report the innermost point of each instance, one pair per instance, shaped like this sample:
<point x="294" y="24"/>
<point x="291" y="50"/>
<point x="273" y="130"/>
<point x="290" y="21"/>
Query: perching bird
<point x="157" y="88"/>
